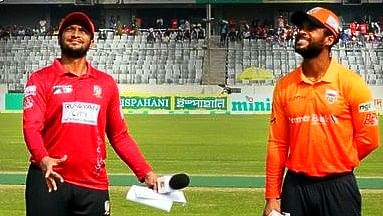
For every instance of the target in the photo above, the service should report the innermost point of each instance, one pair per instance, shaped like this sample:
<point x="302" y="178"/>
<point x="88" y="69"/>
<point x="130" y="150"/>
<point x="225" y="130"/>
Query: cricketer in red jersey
<point x="69" y="107"/>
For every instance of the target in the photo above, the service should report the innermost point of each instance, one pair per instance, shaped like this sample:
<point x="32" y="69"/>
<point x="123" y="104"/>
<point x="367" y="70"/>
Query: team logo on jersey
<point x="331" y="96"/>
<point x="62" y="89"/>
<point x="97" y="91"/>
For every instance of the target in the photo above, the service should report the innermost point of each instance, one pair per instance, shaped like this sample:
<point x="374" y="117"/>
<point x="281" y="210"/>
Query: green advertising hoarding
<point x="14" y="101"/>
<point x="136" y="103"/>
<point x="200" y="103"/>
<point x="146" y="102"/>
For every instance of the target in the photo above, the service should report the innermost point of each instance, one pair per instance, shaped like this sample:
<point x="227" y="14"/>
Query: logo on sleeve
<point x="367" y="107"/>
<point x="30" y="91"/>
<point x="371" y="120"/>
<point x="28" y="102"/>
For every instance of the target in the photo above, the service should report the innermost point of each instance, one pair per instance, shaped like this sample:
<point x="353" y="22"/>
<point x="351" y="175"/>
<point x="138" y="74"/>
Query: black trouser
<point x="335" y="195"/>
<point x="68" y="200"/>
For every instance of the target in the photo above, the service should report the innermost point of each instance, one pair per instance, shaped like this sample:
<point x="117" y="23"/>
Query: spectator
<point x="151" y="36"/>
<point x="138" y="22"/>
<point x="180" y="34"/>
<point x="159" y="23"/>
<point x="344" y="38"/>
<point x="224" y="30"/>
<point x="353" y="28"/>
<point x="280" y="23"/>
<point x="375" y="27"/>
<point x="174" y="23"/>
<point x="112" y="22"/>
<point x="43" y="26"/>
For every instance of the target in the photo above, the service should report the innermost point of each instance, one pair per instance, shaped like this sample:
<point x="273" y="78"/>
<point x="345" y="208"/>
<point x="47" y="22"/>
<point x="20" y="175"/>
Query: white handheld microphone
<point x="168" y="183"/>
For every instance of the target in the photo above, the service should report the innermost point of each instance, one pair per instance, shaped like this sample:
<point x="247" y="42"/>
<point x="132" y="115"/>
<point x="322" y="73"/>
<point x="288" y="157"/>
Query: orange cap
<point x="319" y="16"/>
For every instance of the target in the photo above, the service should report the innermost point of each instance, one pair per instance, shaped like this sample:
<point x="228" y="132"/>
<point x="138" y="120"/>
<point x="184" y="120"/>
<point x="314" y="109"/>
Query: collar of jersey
<point x="329" y="76"/>
<point x="62" y="72"/>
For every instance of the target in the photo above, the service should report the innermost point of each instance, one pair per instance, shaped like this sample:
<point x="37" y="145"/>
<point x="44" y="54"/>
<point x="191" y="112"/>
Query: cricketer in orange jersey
<point x="323" y="123"/>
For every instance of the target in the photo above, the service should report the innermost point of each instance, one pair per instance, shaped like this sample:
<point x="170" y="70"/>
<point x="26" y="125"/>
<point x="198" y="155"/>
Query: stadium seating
<point x="367" y="61"/>
<point x="134" y="60"/>
<point x="130" y="60"/>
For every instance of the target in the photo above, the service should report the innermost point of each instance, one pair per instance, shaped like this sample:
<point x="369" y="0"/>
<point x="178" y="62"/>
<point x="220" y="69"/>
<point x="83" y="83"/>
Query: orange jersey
<point x="319" y="128"/>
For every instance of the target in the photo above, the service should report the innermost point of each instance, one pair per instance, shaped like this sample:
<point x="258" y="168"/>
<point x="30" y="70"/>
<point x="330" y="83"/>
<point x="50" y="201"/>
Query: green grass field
<point x="201" y="145"/>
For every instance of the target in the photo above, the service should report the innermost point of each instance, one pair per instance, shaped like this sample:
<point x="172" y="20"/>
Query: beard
<point x="312" y="50"/>
<point x="71" y="52"/>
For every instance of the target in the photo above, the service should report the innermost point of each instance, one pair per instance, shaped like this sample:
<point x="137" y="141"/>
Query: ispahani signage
<point x="200" y="103"/>
<point x="143" y="102"/>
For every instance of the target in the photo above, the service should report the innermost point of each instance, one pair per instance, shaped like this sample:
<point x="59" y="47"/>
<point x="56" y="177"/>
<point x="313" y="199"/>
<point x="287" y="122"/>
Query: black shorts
<point x="67" y="200"/>
<point x="335" y="195"/>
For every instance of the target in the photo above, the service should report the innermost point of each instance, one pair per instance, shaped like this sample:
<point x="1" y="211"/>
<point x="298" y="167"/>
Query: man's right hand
<point x="46" y="165"/>
<point x="151" y="180"/>
<point x="271" y="204"/>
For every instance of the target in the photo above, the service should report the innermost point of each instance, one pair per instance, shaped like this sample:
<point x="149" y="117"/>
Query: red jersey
<point x="66" y="114"/>
<point x="174" y="23"/>
<point x="353" y="27"/>
<point x="363" y="28"/>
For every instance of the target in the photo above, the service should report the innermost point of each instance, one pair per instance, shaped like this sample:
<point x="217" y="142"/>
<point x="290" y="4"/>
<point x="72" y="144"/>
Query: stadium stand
<point x="134" y="60"/>
<point x="181" y="54"/>
<point x="367" y="61"/>
<point x="129" y="59"/>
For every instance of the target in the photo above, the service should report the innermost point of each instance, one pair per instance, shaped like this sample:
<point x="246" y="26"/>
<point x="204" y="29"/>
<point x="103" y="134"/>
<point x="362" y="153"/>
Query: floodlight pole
<point x="208" y="20"/>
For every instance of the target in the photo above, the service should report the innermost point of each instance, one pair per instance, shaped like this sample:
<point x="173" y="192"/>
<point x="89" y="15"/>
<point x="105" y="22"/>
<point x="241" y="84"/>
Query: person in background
<point x="354" y="26"/>
<point x="43" y="26"/>
<point x="151" y="38"/>
<point x="344" y="38"/>
<point x="69" y="109"/>
<point x="159" y="23"/>
<point x="323" y="123"/>
<point x="224" y="30"/>
<point x="112" y="23"/>
<point x="174" y="23"/>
